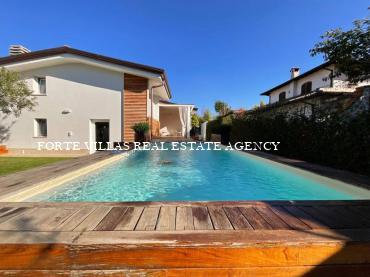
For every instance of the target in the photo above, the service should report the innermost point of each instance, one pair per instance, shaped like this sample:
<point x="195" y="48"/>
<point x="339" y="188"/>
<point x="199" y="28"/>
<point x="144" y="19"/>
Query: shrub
<point x="213" y="127"/>
<point x="195" y="120"/>
<point x="141" y="127"/>
<point x="326" y="139"/>
<point x="222" y="126"/>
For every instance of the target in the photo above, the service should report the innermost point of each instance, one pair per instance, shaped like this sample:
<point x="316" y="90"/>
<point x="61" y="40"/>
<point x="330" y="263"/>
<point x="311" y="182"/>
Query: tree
<point x="15" y="95"/>
<point x="207" y="115"/>
<point x="349" y="50"/>
<point x="261" y="105"/>
<point x="222" y="108"/>
<point x="194" y="120"/>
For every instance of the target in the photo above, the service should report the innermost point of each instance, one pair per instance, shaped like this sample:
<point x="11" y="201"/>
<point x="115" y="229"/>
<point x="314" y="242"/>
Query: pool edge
<point x="38" y="188"/>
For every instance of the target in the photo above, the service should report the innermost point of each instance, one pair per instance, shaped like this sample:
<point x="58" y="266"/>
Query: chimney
<point x="294" y="72"/>
<point x="17" y="50"/>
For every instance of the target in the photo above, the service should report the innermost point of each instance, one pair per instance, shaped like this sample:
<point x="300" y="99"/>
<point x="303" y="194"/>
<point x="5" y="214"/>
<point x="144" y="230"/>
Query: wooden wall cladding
<point x="155" y="125"/>
<point x="135" y="96"/>
<point x="135" y="83"/>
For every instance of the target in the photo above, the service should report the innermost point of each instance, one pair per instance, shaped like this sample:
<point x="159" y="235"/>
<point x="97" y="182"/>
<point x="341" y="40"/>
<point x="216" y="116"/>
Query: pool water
<point x="199" y="175"/>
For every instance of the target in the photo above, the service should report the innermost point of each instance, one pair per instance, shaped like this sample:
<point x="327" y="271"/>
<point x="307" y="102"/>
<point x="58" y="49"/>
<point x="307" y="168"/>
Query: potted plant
<point x="141" y="129"/>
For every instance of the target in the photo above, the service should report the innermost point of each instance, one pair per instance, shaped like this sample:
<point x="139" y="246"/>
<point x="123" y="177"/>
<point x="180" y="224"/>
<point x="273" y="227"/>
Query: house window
<point x="306" y="88"/>
<point x="282" y="96"/>
<point x="41" y="83"/>
<point x="40" y="127"/>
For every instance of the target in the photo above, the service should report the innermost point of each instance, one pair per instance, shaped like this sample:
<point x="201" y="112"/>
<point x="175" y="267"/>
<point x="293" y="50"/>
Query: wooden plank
<point x="355" y="219"/>
<point x="167" y="219"/>
<point x="276" y="271"/>
<point x="148" y="219"/>
<point x="362" y="212"/>
<point x="310" y="221"/>
<point x="294" y="222"/>
<point x="322" y="216"/>
<point x="184" y="218"/>
<point x="273" y="220"/>
<point x="219" y="219"/>
<point x="4" y="210"/>
<point x="58" y="217"/>
<point x="134" y="103"/>
<point x="202" y="220"/>
<point x="196" y="238"/>
<point x="342" y="218"/>
<point x="360" y="209"/>
<point x="12" y="213"/>
<point x="93" y="219"/>
<point x="254" y="218"/>
<point x="75" y="219"/>
<point x="111" y="220"/>
<point x="349" y="203"/>
<point x="39" y="219"/>
<point x="130" y="219"/>
<point x="237" y="219"/>
<point x="115" y="256"/>
<point x="23" y="179"/>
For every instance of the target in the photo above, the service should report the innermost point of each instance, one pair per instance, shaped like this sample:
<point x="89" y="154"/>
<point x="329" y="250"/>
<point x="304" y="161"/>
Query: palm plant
<point x="141" y="129"/>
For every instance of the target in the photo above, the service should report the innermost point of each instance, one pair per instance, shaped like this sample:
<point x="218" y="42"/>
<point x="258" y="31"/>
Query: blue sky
<point x="227" y="50"/>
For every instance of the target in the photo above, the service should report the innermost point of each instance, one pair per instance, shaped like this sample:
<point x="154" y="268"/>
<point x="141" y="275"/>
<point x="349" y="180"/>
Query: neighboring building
<point x="85" y="97"/>
<point x="320" y="87"/>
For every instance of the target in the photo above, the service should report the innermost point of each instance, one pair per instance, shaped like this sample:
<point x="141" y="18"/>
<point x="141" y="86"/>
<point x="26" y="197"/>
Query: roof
<point x="313" y="94"/>
<point x="176" y="104"/>
<point x="317" y="68"/>
<point x="172" y="103"/>
<point x="68" y="50"/>
<point x="240" y="110"/>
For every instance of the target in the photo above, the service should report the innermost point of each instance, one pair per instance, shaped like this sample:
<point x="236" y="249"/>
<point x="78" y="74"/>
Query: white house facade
<point x="83" y="97"/>
<point x="323" y="76"/>
<point x="320" y="89"/>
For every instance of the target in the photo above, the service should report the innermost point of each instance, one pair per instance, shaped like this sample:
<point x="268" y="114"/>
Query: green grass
<point x="10" y="165"/>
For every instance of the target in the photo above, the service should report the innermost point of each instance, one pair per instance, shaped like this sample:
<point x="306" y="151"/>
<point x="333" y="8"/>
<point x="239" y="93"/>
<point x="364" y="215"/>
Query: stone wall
<point x="349" y="103"/>
<point x="362" y="103"/>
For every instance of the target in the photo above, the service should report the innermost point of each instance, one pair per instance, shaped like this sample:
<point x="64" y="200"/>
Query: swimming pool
<point x="197" y="176"/>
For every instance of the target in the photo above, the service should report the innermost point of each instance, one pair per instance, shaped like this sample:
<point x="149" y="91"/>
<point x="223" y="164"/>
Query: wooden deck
<point x="278" y="238"/>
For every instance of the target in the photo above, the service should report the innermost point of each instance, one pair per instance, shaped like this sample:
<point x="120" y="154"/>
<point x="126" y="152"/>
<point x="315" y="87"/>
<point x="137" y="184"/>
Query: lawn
<point x="14" y="164"/>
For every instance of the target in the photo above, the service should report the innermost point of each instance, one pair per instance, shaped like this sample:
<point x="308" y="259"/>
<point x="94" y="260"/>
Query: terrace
<point x="277" y="238"/>
<point x="259" y="238"/>
<point x="174" y="120"/>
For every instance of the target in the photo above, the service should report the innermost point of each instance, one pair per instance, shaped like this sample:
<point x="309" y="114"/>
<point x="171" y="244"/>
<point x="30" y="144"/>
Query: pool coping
<point x="344" y="176"/>
<point x="23" y="194"/>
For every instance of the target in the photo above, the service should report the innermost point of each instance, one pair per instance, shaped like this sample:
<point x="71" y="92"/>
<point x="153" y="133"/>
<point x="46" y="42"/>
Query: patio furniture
<point x="164" y="132"/>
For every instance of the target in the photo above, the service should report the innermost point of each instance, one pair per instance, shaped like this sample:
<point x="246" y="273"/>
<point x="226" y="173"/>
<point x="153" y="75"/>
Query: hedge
<point x="222" y="126"/>
<point x="329" y="139"/>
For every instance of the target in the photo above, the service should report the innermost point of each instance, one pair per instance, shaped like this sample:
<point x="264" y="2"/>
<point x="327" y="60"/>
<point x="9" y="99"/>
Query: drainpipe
<point x="331" y="75"/>
<point x="151" y="108"/>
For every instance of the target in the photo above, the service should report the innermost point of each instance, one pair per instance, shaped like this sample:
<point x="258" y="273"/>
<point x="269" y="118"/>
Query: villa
<point x="85" y="97"/>
<point x="318" y="88"/>
<point x="163" y="212"/>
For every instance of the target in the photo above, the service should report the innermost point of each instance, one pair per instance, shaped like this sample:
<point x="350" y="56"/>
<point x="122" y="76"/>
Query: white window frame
<point x="279" y="96"/>
<point x="38" y="86"/>
<point x="37" y="129"/>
